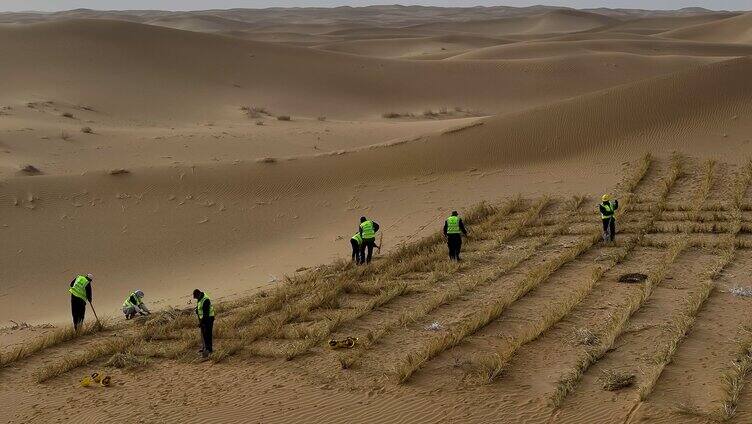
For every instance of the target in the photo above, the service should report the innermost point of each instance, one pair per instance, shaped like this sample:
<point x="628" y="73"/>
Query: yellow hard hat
<point x="606" y="197"/>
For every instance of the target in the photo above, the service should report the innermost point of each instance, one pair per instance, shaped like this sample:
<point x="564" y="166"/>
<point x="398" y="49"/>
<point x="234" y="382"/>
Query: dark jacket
<point x="603" y="209"/>
<point x="88" y="288"/>
<point x="462" y="227"/>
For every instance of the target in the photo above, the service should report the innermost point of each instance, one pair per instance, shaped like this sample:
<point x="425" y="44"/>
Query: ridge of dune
<point x="557" y="21"/>
<point x="152" y="73"/>
<point x="737" y="29"/>
<point x="412" y="47"/>
<point x="645" y="47"/>
<point x="200" y="22"/>
<point x="654" y="25"/>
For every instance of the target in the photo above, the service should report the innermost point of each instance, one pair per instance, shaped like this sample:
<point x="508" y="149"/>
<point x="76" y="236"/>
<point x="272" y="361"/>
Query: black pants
<point x="357" y="255"/>
<point x="610" y="224"/>
<point x="78" y="310"/>
<point x="367" y="244"/>
<point x="454" y="242"/>
<point x="207" y="330"/>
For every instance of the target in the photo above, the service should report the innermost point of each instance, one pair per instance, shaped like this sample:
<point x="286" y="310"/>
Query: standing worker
<point x="80" y="290"/>
<point x="608" y="208"/>
<point x="454" y="228"/>
<point x="367" y="232"/>
<point x="356" y="242"/>
<point x="134" y="304"/>
<point x="205" y="313"/>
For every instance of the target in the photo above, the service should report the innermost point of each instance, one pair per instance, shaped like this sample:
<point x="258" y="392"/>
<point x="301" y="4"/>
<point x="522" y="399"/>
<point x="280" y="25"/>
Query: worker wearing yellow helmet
<point x="608" y="209"/>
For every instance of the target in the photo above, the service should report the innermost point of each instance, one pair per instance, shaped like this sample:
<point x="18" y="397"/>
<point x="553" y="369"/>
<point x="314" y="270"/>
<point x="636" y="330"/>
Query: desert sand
<point x="235" y="150"/>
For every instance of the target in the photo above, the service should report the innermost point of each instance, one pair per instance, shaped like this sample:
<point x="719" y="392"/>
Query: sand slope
<point x="176" y="84"/>
<point x="557" y="21"/>
<point x="153" y="208"/>
<point x="737" y="29"/>
<point x="653" y="47"/>
<point x="413" y="48"/>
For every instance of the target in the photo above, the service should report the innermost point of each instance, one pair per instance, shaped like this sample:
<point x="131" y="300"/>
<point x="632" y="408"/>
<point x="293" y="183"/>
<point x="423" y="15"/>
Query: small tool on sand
<point x="633" y="278"/>
<point x="348" y="342"/>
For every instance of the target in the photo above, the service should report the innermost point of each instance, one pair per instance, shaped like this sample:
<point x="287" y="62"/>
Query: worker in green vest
<point x="205" y="313"/>
<point x="367" y="231"/>
<point x="134" y="304"/>
<point x="80" y="291"/>
<point x="355" y="242"/>
<point x="608" y="209"/>
<point x="454" y="228"/>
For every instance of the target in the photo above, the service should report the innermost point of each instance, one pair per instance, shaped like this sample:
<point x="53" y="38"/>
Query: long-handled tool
<point x="381" y="242"/>
<point x="99" y="323"/>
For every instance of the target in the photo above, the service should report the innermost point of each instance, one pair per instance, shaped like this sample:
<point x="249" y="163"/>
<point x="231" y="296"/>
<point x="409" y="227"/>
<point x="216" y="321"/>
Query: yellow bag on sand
<point x="96" y="377"/>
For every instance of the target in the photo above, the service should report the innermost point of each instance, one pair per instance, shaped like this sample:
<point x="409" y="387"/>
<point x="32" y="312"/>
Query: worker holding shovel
<point x="80" y="290"/>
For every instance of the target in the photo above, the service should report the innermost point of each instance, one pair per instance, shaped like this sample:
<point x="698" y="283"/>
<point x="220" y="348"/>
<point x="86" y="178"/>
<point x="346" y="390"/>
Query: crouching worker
<point x="205" y="313"/>
<point x="134" y="304"/>
<point x="356" y="242"/>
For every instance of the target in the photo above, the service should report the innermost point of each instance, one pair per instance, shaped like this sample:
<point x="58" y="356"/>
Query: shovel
<point x="99" y="324"/>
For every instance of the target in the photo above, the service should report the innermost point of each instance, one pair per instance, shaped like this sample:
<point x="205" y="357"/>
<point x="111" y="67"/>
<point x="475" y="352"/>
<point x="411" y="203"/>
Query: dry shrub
<point x="616" y="380"/>
<point x="395" y="115"/>
<point x="284" y="118"/>
<point x="31" y="170"/>
<point x="226" y="350"/>
<point x="266" y="160"/>
<point x="49" y="339"/>
<point x="120" y="172"/>
<point x="67" y="115"/>
<point x="615" y="325"/>
<point x="585" y="336"/>
<point x="126" y="360"/>
<point x="472" y="322"/>
<point x="74" y="360"/>
<point x="255" y="112"/>
<point x="87" y="130"/>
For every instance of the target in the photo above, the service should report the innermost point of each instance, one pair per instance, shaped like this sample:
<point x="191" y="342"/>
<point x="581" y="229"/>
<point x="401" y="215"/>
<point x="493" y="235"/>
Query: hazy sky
<point x="50" y="5"/>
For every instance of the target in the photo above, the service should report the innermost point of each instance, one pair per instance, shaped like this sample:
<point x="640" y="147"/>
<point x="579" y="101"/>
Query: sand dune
<point x="200" y="23"/>
<point x="559" y="21"/>
<point x="229" y="73"/>
<point x="654" y="115"/>
<point x="413" y="48"/>
<point x="235" y="150"/>
<point x="737" y="29"/>
<point x="644" y="47"/>
<point x="654" y="25"/>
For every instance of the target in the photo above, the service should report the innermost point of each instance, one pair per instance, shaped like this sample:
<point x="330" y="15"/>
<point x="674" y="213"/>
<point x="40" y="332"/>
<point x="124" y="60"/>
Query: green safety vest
<point x="609" y="211"/>
<point x="453" y="225"/>
<point x="367" y="228"/>
<point x="79" y="287"/>
<point x="200" y="307"/>
<point x="358" y="238"/>
<point x="128" y="302"/>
